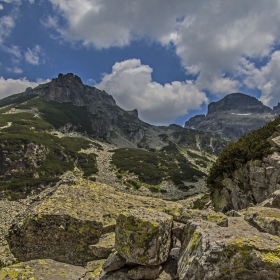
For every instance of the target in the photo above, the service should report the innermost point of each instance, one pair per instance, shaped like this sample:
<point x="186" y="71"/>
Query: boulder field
<point x="86" y="230"/>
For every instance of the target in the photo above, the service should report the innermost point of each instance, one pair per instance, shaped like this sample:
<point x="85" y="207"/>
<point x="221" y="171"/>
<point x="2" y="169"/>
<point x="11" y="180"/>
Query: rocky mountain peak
<point x="240" y="103"/>
<point x="233" y="116"/>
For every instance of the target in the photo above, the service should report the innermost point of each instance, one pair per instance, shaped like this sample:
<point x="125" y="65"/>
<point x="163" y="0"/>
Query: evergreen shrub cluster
<point x="252" y="146"/>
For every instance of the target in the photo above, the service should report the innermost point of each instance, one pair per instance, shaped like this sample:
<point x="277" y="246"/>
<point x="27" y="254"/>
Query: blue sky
<point x="168" y="59"/>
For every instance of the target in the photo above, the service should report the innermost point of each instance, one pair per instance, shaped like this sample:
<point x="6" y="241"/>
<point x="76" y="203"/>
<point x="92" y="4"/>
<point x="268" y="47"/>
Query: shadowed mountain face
<point x="233" y="116"/>
<point x="54" y="128"/>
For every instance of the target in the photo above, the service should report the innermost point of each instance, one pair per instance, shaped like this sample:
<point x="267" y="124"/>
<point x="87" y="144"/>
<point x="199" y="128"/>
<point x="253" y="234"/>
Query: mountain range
<point x="65" y="125"/>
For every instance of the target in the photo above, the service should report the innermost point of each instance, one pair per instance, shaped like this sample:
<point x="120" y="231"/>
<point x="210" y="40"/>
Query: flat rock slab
<point x="239" y="251"/>
<point x="42" y="269"/>
<point x="183" y="215"/>
<point x="143" y="236"/>
<point x="264" y="219"/>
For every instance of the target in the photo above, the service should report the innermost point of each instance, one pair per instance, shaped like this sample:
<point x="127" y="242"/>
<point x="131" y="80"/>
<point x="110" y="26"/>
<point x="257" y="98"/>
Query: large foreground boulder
<point x="63" y="225"/>
<point x="143" y="236"/>
<point x="239" y="251"/>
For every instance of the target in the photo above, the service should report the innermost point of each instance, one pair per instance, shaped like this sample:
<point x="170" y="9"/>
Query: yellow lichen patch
<point x="194" y="241"/>
<point x="272" y="259"/>
<point x="217" y="218"/>
<point x="95" y="267"/>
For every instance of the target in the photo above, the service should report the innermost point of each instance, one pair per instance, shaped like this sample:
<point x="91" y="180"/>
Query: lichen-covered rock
<point x="105" y="245"/>
<point x="42" y="269"/>
<point x="264" y="219"/>
<point x="272" y="201"/>
<point x="114" y="262"/>
<point x="74" y="216"/>
<point x="183" y="215"/>
<point x="235" y="252"/>
<point x="143" y="236"/>
<point x="144" y="272"/>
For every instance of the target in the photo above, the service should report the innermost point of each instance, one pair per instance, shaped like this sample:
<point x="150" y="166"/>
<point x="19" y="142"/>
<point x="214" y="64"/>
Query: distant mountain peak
<point x="233" y="116"/>
<point x="240" y="103"/>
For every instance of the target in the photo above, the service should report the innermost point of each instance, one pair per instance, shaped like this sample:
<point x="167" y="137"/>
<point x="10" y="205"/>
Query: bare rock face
<point x="143" y="236"/>
<point x="235" y="252"/>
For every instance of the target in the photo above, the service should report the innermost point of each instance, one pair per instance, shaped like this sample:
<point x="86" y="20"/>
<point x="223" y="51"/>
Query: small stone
<point x="105" y="245"/>
<point x="114" y="262"/>
<point x="144" y="272"/>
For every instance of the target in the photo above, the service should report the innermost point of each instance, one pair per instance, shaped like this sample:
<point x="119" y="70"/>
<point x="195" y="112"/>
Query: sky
<point x="168" y="59"/>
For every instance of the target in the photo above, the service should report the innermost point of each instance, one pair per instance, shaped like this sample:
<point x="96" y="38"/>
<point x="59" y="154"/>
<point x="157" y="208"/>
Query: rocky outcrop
<point x="143" y="236"/>
<point x="235" y="252"/>
<point x="252" y="182"/>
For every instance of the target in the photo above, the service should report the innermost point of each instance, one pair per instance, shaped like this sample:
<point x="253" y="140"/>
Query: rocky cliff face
<point x="233" y="116"/>
<point x="248" y="171"/>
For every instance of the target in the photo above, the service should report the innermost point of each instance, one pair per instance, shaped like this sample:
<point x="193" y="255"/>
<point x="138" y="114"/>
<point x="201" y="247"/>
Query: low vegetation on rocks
<point x="31" y="156"/>
<point x="154" y="167"/>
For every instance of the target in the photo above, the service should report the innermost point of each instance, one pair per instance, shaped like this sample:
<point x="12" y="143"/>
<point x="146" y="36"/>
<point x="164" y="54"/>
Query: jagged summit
<point x="70" y="88"/>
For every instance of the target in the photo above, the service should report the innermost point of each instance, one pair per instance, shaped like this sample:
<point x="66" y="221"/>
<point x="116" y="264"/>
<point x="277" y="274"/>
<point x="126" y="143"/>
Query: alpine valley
<point x="89" y="191"/>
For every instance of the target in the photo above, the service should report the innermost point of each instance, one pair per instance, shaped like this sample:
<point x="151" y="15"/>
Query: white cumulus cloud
<point x="210" y="37"/>
<point x="13" y="86"/>
<point x="265" y="78"/>
<point x="131" y="84"/>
